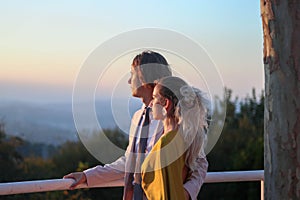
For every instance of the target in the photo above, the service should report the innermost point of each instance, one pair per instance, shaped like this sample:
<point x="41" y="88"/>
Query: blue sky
<point x="44" y="43"/>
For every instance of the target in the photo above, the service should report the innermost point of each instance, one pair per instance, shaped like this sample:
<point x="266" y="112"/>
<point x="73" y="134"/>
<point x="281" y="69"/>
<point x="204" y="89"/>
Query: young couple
<point x="165" y="157"/>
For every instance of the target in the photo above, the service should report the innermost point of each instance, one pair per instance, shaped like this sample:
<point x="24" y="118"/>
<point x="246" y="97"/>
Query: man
<point x="146" y="68"/>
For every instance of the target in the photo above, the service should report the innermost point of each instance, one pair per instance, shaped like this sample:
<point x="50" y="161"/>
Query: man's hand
<point x="79" y="178"/>
<point x="187" y="195"/>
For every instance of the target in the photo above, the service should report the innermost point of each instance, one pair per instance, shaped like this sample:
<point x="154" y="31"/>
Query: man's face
<point x="135" y="83"/>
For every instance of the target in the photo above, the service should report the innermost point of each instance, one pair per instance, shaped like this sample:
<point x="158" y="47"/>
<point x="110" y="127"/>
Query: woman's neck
<point x="169" y="125"/>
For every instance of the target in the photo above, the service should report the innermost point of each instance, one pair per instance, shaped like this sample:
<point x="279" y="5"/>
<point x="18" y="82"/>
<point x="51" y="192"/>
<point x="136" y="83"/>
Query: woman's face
<point x="158" y="110"/>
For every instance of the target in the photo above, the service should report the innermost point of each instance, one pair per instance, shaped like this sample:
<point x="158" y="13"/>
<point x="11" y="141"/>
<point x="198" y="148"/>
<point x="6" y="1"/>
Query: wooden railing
<point x="64" y="184"/>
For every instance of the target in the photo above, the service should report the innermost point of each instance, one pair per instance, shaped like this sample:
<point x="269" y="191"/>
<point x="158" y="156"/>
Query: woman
<point x="183" y="110"/>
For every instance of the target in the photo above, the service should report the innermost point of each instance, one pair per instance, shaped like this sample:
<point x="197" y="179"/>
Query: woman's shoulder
<point x="168" y="137"/>
<point x="165" y="139"/>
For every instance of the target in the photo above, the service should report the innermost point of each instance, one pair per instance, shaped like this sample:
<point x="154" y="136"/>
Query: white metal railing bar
<point x="47" y="185"/>
<point x="234" y="176"/>
<point x="64" y="184"/>
<point x="262" y="190"/>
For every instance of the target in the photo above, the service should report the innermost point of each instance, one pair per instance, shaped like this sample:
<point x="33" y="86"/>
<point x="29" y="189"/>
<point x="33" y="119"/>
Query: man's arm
<point x="196" y="178"/>
<point x="106" y="173"/>
<point x="98" y="174"/>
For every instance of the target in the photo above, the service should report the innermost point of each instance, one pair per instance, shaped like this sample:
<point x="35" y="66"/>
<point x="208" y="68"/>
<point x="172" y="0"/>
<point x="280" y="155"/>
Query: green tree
<point x="240" y="147"/>
<point x="10" y="159"/>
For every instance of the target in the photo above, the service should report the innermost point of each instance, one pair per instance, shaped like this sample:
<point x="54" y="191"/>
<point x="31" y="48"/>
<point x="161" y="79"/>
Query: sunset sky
<point x="43" y="44"/>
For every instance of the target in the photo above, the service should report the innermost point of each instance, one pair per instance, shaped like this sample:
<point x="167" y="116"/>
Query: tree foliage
<point x="240" y="147"/>
<point x="10" y="159"/>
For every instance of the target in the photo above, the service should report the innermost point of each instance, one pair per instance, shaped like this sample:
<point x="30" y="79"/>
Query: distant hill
<point x="52" y="123"/>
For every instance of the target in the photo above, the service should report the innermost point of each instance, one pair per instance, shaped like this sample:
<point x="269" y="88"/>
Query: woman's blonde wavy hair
<point x="190" y="111"/>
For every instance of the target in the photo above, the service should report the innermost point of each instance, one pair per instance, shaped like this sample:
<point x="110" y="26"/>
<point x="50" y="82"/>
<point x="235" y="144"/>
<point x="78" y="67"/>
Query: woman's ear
<point x="168" y="104"/>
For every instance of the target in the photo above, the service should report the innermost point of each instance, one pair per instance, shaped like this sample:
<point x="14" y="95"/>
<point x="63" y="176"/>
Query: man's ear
<point x="148" y="85"/>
